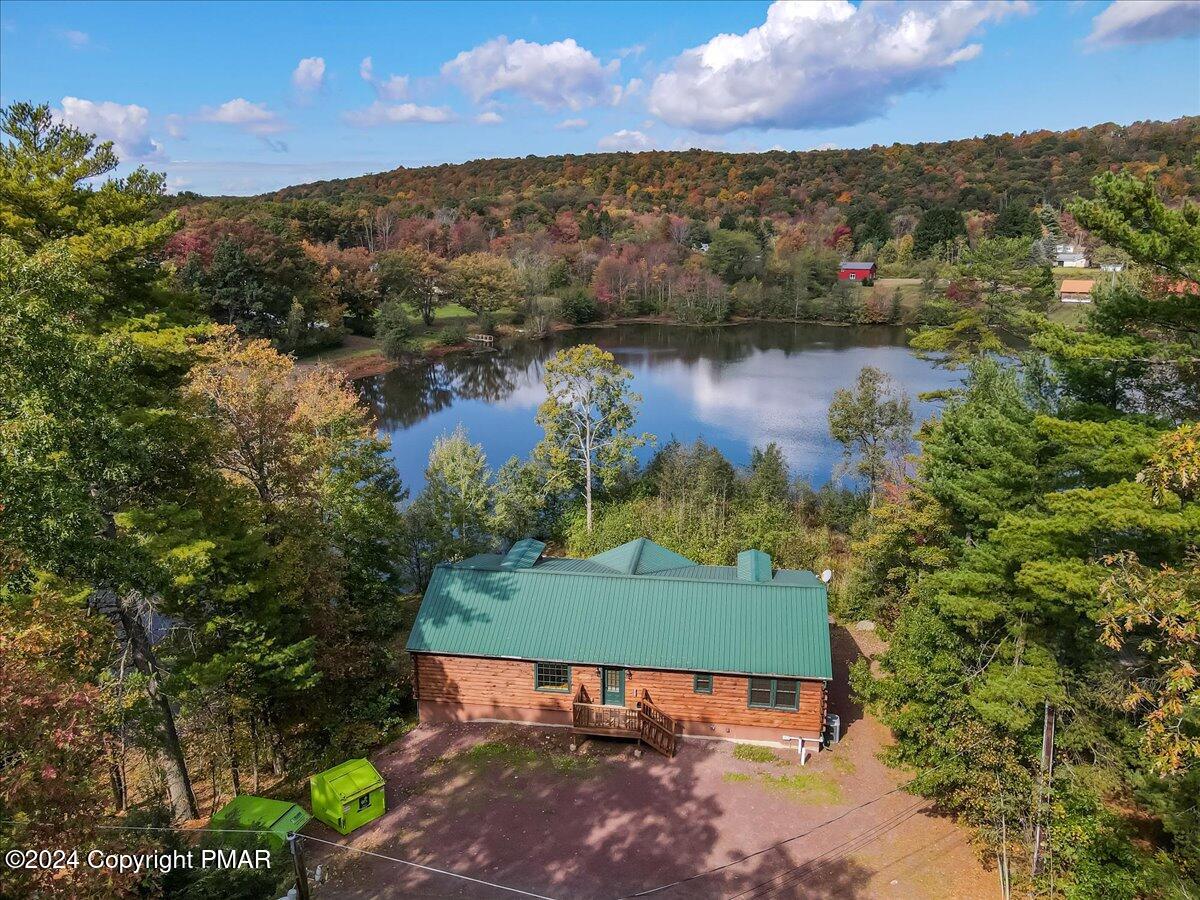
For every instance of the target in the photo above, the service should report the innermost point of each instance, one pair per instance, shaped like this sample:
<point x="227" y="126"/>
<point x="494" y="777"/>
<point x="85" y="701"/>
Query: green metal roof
<point x="523" y="554"/>
<point x="351" y="779"/>
<point x="260" y="813"/>
<point x="638" y="605"/>
<point x="641" y="557"/>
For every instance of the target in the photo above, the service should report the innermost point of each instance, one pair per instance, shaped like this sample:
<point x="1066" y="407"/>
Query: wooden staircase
<point x="655" y="728"/>
<point x="649" y="724"/>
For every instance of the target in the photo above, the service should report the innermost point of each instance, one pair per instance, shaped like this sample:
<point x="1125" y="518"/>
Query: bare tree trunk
<point x="216" y="791"/>
<point x="170" y="751"/>
<point x="231" y="743"/>
<point x="587" y="490"/>
<point x="275" y="755"/>
<point x="254" y="752"/>
<point x="115" y="758"/>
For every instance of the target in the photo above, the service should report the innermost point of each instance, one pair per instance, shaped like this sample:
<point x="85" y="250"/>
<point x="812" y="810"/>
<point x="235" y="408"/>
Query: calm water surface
<point x="738" y="387"/>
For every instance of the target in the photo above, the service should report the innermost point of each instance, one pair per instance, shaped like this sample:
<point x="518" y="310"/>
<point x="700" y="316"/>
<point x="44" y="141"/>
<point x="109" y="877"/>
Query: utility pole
<point x="296" y="843"/>
<point x="1045" y="779"/>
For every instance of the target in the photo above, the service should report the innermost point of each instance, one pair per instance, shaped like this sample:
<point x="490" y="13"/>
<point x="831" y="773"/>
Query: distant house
<point x="1066" y="256"/>
<point x="1076" y="290"/>
<point x="862" y="272"/>
<point x="637" y="642"/>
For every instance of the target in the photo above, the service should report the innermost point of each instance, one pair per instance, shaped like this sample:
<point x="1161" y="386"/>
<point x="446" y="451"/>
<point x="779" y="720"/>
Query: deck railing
<point x="593" y="717"/>
<point x="646" y="721"/>
<point x="655" y="727"/>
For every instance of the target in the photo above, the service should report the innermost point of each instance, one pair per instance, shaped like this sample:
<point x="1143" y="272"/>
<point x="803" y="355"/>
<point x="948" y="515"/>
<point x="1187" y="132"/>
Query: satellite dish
<point x="826" y="575"/>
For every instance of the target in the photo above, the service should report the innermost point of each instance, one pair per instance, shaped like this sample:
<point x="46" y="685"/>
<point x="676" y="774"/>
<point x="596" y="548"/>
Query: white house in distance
<point x="1076" y="290"/>
<point x="1066" y="256"/>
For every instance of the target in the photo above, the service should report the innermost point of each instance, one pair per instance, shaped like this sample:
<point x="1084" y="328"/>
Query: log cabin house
<point x="636" y="642"/>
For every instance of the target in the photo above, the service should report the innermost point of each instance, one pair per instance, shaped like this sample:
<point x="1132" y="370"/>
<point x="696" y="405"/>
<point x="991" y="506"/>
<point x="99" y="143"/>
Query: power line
<point x="775" y="846"/>
<point x="405" y="862"/>
<point x="798" y="874"/>
<point x="199" y="831"/>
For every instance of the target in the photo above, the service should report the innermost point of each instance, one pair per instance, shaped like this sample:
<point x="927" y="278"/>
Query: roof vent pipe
<point x="753" y="565"/>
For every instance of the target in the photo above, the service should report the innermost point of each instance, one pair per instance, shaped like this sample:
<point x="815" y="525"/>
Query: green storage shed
<point x="348" y="796"/>
<point x="245" y="812"/>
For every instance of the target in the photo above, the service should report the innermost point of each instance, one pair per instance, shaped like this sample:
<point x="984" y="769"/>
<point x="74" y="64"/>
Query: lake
<point x="738" y="387"/>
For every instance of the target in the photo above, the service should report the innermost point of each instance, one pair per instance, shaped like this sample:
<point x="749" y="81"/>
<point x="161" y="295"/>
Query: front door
<point x="612" y="682"/>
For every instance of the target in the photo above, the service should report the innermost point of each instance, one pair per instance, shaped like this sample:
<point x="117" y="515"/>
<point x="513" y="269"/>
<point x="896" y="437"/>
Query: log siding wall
<point x="481" y="682"/>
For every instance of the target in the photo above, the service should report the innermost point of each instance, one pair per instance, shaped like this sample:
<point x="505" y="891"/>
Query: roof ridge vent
<point x="754" y="565"/>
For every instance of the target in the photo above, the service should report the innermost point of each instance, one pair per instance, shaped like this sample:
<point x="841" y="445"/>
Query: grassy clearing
<point x="884" y="288"/>
<point x="805" y="787"/>
<point x="450" y="311"/>
<point x="491" y="755"/>
<point x="810" y="788"/>
<point x="752" y="753"/>
<point x="341" y="354"/>
<point x="1069" y="313"/>
<point x="844" y="766"/>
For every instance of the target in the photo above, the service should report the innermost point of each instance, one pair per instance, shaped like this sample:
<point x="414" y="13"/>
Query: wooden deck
<point x="645" y="722"/>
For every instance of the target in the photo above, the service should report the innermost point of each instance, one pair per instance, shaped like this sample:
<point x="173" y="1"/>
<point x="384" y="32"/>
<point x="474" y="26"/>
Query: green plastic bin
<point x="348" y="796"/>
<point x="246" y="812"/>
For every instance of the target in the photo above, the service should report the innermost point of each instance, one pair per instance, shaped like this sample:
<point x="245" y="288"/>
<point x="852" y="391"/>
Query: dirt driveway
<point x="513" y="806"/>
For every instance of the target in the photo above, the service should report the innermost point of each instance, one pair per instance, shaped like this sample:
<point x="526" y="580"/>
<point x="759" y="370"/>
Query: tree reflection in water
<point x="738" y="386"/>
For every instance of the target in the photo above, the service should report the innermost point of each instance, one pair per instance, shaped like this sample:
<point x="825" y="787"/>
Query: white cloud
<point x="393" y="88"/>
<point x="617" y="94"/>
<point x="380" y="113"/>
<point x="556" y="75"/>
<point x="572" y="124"/>
<point x="819" y="64"/>
<point x="625" y="140"/>
<point x="252" y="118"/>
<point x="174" y="124"/>
<point x="128" y="127"/>
<point x="1127" y="22"/>
<point x="309" y="74"/>
<point x="77" y="39"/>
<point x="489" y="118"/>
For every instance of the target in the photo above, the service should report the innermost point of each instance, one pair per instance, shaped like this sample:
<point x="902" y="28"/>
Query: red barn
<point x="863" y="272"/>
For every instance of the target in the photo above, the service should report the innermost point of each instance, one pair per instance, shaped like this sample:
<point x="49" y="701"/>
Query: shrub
<point x="452" y="334"/>
<point x="389" y="317"/>
<point x="395" y="343"/>
<point x="578" y="307"/>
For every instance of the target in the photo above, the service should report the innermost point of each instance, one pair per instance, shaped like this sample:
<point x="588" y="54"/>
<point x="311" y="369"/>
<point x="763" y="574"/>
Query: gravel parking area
<point x="515" y="807"/>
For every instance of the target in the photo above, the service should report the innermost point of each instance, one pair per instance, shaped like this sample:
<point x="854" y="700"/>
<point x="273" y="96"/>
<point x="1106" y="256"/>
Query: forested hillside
<point x="694" y="236"/>
<point x="974" y="174"/>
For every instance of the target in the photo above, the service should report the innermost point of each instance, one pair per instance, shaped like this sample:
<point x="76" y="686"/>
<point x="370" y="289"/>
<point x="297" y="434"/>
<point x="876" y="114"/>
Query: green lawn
<point x="1060" y="274"/>
<point x="1068" y="313"/>
<point x="352" y="346"/>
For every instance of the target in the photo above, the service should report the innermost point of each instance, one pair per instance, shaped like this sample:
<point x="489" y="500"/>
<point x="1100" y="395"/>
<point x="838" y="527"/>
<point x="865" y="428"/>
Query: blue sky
<point x="241" y="98"/>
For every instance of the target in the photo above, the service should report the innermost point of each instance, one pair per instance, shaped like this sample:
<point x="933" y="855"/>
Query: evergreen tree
<point x="457" y="497"/>
<point x="938" y="228"/>
<point x="769" y="476"/>
<point x="1017" y="220"/>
